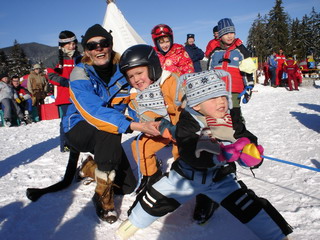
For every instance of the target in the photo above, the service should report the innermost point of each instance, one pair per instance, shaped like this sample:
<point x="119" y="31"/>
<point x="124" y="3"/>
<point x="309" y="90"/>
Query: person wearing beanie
<point x="212" y="43"/>
<point x="9" y="100"/>
<point x="173" y="56"/>
<point x="230" y="54"/>
<point x="206" y="164"/>
<point x="59" y="68"/>
<point x="95" y="121"/>
<point x="195" y="53"/>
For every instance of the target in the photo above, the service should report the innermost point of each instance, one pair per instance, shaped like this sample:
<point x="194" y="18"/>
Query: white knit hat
<point x="201" y="86"/>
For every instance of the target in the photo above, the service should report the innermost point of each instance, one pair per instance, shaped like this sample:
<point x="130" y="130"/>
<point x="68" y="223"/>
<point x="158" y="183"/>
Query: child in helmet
<point x="152" y="98"/>
<point x="173" y="57"/>
<point x="207" y="150"/>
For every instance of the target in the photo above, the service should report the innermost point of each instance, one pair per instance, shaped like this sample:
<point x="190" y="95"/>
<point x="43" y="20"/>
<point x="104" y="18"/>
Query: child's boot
<point x="126" y="230"/>
<point x="103" y="198"/>
<point x="204" y="209"/>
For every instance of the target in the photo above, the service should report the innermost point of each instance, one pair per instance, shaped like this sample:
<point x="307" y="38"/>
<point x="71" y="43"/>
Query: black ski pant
<point x="108" y="153"/>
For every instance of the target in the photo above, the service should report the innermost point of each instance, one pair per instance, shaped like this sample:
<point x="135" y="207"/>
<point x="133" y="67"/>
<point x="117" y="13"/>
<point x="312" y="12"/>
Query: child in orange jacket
<point x="152" y="98"/>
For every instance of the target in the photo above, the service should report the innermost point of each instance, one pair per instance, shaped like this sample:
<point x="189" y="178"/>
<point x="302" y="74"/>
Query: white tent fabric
<point x="124" y="35"/>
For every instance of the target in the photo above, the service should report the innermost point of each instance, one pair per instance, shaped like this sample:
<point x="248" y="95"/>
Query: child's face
<point x="138" y="77"/>
<point x="228" y="38"/>
<point x="70" y="46"/>
<point x="213" y="107"/>
<point x="164" y="43"/>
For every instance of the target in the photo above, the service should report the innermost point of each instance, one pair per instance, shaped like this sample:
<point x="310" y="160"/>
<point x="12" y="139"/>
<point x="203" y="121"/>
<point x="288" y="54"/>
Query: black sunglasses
<point x="103" y="43"/>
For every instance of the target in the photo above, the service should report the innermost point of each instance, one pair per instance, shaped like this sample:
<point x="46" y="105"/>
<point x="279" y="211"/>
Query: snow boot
<point x="103" y="198"/>
<point x="204" y="209"/>
<point x="87" y="170"/>
<point x="126" y="230"/>
<point x="7" y="122"/>
<point x="149" y="180"/>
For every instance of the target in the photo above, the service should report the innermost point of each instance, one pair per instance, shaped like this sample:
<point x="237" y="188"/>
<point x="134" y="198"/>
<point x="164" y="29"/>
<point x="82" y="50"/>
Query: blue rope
<point x="138" y="159"/>
<point x="291" y="163"/>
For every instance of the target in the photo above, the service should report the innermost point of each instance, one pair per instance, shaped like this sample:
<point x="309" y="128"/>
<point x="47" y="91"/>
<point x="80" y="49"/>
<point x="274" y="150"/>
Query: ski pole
<point x="291" y="163"/>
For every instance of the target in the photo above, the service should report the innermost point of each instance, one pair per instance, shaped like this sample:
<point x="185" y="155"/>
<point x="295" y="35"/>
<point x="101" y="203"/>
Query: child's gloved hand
<point x="246" y="93"/>
<point x="251" y="155"/>
<point x="167" y="129"/>
<point x="18" y="100"/>
<point x="207" y="143"/>
<point x="246" y="153"/>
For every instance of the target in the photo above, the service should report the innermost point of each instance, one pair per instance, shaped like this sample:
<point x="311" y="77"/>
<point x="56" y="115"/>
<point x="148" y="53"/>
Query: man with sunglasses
<point x="95" y="120"/>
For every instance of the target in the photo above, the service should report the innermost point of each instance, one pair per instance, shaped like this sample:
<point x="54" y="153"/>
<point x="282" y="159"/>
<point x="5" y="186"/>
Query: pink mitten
<point x="231" y="153"/>
<point x="251" y="155"/>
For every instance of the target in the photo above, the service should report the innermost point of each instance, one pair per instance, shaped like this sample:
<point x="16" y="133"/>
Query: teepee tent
<point x="124" y="35"/>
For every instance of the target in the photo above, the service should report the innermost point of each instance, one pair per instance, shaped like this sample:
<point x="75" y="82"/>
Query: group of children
<point x="200" y="115"/>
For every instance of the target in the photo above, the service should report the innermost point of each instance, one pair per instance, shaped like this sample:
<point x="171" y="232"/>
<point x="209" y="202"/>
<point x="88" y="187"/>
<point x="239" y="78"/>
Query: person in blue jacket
<point x="95" y="119"/>
<point x="195" y="53"/>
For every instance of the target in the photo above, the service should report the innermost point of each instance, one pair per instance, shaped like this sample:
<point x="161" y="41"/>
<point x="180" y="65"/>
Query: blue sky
<point x="42" y="20"/>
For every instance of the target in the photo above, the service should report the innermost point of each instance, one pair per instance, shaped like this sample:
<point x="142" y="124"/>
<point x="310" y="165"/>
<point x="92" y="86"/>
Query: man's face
<point x="100" y="54"/>
<point x="15" y="82"/>
<point x="228" y="38"/>
<point x="216" y="35"/>
<point x="5" y="79"/>
<point x="190" y="41"/>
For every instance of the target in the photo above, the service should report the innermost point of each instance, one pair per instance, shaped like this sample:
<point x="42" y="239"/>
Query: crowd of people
<point x="282" y="71"/>
<point x="171" y="101"/>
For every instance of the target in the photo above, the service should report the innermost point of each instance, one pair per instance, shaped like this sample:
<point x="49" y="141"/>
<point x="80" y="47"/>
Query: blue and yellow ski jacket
<point x="100" y="104"/>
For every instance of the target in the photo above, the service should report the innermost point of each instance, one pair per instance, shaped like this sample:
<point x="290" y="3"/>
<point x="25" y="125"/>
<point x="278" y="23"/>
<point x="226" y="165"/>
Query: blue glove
<point x="167" y="129"/>
<point x="246" y="93"/>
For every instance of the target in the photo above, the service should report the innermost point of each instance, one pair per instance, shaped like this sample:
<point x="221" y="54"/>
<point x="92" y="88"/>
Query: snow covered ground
<point x="287" y="124"/>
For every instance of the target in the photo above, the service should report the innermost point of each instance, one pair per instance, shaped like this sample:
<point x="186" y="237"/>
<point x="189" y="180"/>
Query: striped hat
<point x="201" y="86"/>
<point x="225" y="26"/>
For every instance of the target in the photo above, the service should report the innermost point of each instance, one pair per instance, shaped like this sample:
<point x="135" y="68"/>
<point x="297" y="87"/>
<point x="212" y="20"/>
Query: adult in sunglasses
<point x="173" y="57"/>
<point x="95" y="120"/>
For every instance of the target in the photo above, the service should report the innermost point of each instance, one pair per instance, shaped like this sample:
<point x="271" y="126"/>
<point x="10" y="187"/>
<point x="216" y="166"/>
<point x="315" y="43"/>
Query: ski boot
<point x="126" y="230"/>
<point x="103" y="198"/>
<point x="204" y="209"/>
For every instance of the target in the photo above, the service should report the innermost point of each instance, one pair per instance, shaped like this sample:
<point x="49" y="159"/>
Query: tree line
<point x="15" y="63"/>
<point x="273" y="31"/>
<point x="276" y="30"/>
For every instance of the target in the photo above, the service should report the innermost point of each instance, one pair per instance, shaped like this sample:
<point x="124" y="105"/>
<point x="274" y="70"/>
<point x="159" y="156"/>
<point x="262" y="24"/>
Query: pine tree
<point x="3" y="63"/>
<point x="277" y="27"/>
<point x="257" y="41"/>
<point x="314" y="24"/>
<point x="18" y="64"/>
<point x="295" y="43"/>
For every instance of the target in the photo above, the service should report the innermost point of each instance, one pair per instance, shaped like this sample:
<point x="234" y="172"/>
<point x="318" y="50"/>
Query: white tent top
<point x="124" y="35"/>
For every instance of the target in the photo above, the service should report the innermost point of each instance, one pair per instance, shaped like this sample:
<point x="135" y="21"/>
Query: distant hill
<point x="36" y="52"/>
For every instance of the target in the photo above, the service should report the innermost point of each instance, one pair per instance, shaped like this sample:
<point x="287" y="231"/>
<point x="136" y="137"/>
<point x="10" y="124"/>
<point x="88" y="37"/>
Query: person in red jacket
<point x="212" y="43"/>
<point x="290" y="66"/>
<point x="281" y="58"/>
<point x="59" y="69"/>
<point x="173" y="57"/>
